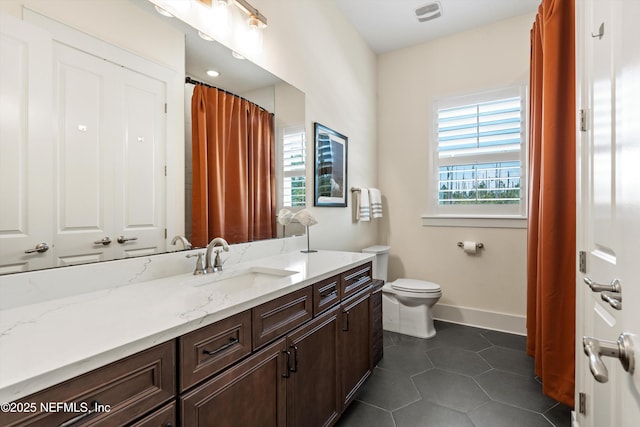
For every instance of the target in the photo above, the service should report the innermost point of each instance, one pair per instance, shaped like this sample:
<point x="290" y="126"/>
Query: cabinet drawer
<point x="355" y="279"/>
<point x="326" y="294"/>
<point x="275" y="318"/>
<point x="163" y="417"/>
<point x="211" y="349"/>
<point x="124" y="391"/>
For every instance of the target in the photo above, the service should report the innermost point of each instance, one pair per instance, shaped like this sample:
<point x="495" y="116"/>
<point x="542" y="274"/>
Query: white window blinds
<point x="294" y="169"/>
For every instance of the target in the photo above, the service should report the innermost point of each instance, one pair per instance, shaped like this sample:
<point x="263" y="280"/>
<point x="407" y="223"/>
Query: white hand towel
<point x="365" y="207"/>
<point x="375" y="197"/>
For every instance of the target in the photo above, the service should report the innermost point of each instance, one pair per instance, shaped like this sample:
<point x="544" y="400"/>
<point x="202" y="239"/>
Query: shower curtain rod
<point x="197" y="82"/>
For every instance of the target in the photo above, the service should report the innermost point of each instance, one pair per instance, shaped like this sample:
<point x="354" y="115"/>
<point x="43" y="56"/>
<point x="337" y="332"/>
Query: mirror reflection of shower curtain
<point x="233" y="168"/>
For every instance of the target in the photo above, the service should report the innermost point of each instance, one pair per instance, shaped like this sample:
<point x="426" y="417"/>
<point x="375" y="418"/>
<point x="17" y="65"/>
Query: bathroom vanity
<point x="283" y="340"/>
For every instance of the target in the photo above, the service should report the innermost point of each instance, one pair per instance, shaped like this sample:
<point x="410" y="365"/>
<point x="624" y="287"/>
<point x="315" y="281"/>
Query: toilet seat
<point x="416" y="286"/>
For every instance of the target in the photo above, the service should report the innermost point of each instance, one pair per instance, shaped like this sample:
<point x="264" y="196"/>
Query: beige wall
<point x="409" y="80"/>
<point x="309" y="44"/>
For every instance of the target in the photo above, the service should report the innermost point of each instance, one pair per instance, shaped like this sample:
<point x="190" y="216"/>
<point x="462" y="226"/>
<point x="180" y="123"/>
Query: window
<point x="294" y="188"/>
<point x="479" y="154"/>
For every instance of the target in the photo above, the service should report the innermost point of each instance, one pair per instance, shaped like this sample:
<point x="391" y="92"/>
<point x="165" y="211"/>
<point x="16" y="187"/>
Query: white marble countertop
<point x="49" y="342"/>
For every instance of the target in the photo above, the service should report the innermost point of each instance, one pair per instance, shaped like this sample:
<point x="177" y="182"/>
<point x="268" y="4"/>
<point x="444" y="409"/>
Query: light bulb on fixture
<point x="221" y="16"/>
<point x="253" y="34"/>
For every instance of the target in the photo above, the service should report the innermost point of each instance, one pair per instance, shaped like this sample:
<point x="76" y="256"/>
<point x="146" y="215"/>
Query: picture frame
<point x="330" y="167"/>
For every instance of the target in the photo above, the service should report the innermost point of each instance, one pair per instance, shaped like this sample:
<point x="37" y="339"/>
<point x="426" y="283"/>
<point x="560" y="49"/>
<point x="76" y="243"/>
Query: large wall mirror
<point x="80" y="179"/>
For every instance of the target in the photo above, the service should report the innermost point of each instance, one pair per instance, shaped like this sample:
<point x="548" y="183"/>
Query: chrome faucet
<point x="185" y="243"/>
<point x="217" y="263"/>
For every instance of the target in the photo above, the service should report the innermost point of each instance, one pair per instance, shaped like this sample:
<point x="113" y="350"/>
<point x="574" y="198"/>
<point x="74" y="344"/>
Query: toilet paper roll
<point x="470" y="247"/>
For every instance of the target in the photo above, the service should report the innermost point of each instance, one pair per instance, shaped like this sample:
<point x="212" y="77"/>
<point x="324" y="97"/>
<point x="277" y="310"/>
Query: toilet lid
<point x="412" y="285"/>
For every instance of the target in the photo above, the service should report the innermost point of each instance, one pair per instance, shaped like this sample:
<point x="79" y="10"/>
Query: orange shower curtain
<point x="551" y="242"/>
<point x="233" y="168"/>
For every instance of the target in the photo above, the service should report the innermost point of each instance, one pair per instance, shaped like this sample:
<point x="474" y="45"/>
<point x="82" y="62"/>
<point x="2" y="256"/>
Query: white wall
<point x="310" y="45"/>
<point x="409" y="80"/>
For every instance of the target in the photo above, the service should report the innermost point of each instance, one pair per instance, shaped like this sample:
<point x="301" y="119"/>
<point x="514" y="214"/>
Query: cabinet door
<point x="355" y="345"/>
<point x="251" y="393"/>
<point x="313" y="394"/>
<point x="26" y="154"/>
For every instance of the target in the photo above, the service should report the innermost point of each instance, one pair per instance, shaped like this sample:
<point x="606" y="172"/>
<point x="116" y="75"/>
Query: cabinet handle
<point x="295" y="358"/>
<point x="286" y="364"/>
<point x="328" y="294"/>
<point x="232" y="341"/>
<point x="76" y="420"/>
<point x="347" y="313"/>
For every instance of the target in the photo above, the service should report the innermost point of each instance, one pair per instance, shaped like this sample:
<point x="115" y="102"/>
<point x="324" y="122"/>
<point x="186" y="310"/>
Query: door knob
<point x="622" y="349"/>
<point x="122" y="239"/>
<point x="614" y="286"/>
<point x="40" y="248"/>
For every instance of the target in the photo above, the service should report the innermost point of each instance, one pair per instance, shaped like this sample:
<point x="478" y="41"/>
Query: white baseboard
<point x="481" y="318"/>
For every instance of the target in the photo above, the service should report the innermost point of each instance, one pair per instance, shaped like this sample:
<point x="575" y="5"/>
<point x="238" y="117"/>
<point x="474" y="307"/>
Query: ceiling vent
<point x="429" y="11"/>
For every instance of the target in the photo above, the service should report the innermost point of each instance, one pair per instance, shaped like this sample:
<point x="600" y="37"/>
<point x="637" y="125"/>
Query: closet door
<point x="110" y="159"/>
<point x="85" y="137"/>
<point x="139" y="200"/>
<point x="26" y="149"/>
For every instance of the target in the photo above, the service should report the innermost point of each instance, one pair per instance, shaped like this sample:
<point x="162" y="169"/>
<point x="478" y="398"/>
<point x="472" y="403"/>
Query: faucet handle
<point x="217" y="263"/>
<point x="199" y="264"/>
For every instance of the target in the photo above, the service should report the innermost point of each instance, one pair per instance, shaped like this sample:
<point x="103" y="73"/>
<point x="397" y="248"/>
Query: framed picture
<point x="330" y="167"/>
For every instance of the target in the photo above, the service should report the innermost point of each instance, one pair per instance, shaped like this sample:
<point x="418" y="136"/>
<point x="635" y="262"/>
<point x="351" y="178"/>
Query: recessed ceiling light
<point x="213" y="73"/>
<point x="236" y="55"/>
<point x="163" y="12"/>
<point x="206" y="37"/>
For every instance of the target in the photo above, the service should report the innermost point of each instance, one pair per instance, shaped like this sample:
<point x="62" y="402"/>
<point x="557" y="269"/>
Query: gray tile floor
<point x="463" y="376"/>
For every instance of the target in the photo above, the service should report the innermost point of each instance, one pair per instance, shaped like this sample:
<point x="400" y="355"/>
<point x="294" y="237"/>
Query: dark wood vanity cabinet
<point x="250" y="393"/>
<point x="124" y="391"/>
<point x="294" y="361"/>
<point x="313" y="397"/>
<point x="355" y="344"/>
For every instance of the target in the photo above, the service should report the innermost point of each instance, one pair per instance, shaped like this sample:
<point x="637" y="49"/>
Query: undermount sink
<point x="245" y="278"/>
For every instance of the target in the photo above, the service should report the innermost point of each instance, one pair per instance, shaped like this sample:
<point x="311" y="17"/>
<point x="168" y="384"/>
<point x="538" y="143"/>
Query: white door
<point x="85" y="118"/>
<point x="139" y="203"/>
<point x="609" y="212"/>
<point x="26" y="148"/>
<point x="110" y="159"/>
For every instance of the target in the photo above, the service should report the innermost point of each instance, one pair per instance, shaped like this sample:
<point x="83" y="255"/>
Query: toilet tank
<point x="381" y="261"/>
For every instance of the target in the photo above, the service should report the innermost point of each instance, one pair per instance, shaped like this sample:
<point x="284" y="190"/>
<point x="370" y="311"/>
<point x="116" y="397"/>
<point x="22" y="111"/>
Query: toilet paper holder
<point x="478" y="245"/>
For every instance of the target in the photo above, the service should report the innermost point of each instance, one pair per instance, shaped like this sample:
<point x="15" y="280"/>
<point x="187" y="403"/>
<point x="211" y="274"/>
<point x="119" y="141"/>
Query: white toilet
<point x="406" y="303"/>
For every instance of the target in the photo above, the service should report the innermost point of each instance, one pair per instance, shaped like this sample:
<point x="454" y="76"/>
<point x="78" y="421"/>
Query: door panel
<point x="85" y="119"/>
<point x="610" y="211"/>
<point x="25" y="146"/>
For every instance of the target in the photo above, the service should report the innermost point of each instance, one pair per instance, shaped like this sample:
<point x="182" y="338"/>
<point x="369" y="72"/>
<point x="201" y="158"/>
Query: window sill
<point x="474" y="221"/>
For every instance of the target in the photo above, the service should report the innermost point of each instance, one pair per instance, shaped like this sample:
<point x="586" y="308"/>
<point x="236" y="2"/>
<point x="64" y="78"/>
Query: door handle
<point x="622" y="349"/>
<point x="40" y="248"/>
<point x="104" y="241"/>
<point x="614" y="286"/>
<point x="122" y="239"/>
<point x="614" y="299"/>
